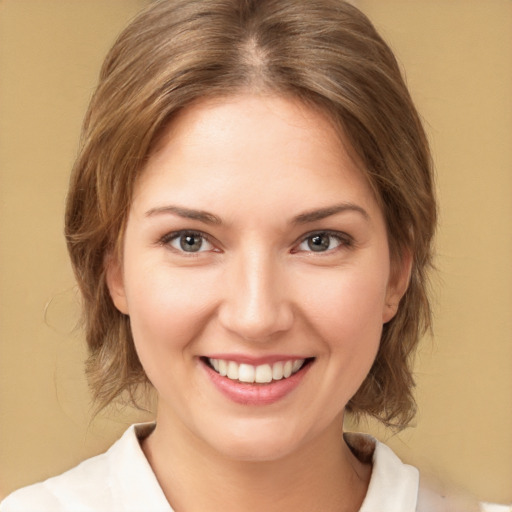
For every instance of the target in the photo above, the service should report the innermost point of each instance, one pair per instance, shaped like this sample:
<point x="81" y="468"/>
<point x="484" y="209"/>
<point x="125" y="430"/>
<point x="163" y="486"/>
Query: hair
<point x="326" y="54"/>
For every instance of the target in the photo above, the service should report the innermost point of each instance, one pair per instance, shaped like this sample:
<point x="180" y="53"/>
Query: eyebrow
<point x="186" y="213"/>
<point x="303" y="218"/>
<point x="323" y="213"/>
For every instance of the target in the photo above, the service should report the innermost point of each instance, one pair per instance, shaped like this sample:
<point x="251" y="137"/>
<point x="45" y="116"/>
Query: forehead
<point x="213" y="114"/>
<point x="247" y="143"/>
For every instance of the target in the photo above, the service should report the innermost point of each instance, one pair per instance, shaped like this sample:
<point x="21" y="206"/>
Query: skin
<point x="258" y="163"/>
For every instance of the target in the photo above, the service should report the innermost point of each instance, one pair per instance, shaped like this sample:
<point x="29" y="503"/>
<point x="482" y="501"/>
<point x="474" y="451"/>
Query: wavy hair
<point x="325" y="53"/>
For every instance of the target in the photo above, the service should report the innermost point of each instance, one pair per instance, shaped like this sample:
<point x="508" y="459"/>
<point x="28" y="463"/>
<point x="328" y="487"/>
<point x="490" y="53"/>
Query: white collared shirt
<point x="122" y="480"/>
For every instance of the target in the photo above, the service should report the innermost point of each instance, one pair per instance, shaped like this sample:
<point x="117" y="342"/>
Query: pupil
<point x="319" y="243"/>
<point x="191" y="243"/>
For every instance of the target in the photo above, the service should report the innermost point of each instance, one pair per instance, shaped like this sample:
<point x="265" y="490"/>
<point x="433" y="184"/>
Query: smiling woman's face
<point x="254" y="247"/>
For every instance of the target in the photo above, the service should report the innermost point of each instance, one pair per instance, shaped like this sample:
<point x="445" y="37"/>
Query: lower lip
<point x="256" y="394"/>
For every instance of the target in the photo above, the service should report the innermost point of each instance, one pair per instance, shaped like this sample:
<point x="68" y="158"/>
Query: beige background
<point x="458" y="58"/>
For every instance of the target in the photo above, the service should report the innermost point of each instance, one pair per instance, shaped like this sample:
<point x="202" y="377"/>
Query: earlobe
<point x="397" y="286"/>
<point x="115" y="283"/>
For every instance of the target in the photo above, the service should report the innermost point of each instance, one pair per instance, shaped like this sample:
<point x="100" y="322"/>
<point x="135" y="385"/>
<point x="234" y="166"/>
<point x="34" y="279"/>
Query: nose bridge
<point x="256" y="305"/>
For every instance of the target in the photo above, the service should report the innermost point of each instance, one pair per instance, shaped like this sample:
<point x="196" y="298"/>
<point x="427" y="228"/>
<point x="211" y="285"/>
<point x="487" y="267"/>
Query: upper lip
<point x="257" y="360"/>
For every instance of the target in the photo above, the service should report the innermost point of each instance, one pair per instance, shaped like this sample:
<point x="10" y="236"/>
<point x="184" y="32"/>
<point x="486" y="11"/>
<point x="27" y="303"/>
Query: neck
<point x="322" y="475"/>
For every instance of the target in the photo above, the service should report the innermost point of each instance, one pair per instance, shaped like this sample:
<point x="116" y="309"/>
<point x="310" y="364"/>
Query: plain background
<point x="458" y="60"/>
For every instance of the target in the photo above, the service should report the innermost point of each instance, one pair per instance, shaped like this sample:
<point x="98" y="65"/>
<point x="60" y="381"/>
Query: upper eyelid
<point x="346" y="241"/>
<point x="172" y="235"/>
<point x="338" y="234"/>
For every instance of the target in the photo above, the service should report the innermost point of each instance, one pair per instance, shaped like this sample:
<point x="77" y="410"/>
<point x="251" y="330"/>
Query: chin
<point x="257" y="441"/>
<point x="251" y="451"/>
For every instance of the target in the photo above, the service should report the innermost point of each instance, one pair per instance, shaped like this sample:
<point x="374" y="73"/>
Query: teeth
<point x="277" y="371"/>
<point x="232" y="370"/>
<point x="246" y="373"/>
<point x="223" y="366"/>
<point x="260" y="374"/>
<point x="297" y="364"/>
<point x="263" y="373"/>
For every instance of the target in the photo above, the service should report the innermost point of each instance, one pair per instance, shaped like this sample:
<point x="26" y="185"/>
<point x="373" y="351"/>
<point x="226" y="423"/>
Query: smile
<point x="260" y="384"/>
<point x="260" y="374"/>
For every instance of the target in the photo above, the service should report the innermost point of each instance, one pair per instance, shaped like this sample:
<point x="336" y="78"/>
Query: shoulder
<point x="393" y="484"/>
<point x="85" y="485"/>
<point x="400" y="487"/>
<point x="114" y="480"/>
<point x="435" y="496"/>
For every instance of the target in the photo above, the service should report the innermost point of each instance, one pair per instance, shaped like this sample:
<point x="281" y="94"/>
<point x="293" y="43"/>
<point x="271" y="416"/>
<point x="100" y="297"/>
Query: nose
<point x="256" y="306"/>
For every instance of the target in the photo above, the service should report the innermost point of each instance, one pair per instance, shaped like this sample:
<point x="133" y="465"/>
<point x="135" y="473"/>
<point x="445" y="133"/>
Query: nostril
<point x="257" y="325"/>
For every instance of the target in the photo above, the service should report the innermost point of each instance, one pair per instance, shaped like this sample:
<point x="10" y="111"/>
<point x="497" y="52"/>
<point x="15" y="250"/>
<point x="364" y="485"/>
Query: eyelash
<point x="344" y="241"/>
<point x="176" y="235"/>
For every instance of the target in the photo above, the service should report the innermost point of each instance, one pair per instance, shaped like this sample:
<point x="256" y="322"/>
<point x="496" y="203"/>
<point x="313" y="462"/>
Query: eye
<point x="324" y="241"/>
<point x="188" y="241"/>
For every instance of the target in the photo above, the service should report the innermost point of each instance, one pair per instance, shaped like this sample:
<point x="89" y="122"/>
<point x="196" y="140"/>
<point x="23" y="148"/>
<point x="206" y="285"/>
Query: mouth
<point x="257" y="374"/>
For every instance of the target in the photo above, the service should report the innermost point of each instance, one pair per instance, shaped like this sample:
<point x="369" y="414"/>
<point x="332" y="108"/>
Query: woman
<point x="250" y="221"/>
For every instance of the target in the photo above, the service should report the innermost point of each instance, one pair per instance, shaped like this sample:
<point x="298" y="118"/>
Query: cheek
<point x="345" y="315"/>
<point x="348" y="310"/>
<point x="350" y="296"/>
<point x="167" y="306"/>
<point x="168" y="310"/>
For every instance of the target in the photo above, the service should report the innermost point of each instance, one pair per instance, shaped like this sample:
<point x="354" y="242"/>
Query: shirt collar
<point x="393" y="485"/>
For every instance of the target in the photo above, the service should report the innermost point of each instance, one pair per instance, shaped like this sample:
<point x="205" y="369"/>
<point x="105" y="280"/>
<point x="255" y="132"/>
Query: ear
<point x="115" y="283"/>
<point x="397" y="286"/>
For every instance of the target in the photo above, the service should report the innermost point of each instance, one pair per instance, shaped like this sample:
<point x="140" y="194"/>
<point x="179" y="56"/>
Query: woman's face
<point x="254" y="246"/>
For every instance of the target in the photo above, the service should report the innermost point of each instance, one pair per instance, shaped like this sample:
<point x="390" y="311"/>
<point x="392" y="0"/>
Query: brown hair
<point x="325" y="53"/>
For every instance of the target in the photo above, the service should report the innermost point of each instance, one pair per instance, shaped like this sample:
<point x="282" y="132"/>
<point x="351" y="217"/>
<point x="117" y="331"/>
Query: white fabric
<point x="119" y="480"/>
<point x="122" y="480"/>
<point x="393" y="485"/>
